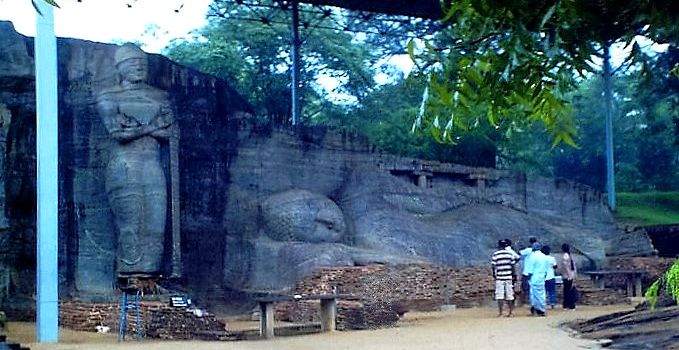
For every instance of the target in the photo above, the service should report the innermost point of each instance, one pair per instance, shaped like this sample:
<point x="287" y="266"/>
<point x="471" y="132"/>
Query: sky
<point x="114" y="20"/>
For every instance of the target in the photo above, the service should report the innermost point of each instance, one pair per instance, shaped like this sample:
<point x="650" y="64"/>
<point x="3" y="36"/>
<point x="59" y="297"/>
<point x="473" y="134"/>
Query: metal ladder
<point x="129" y="303"/>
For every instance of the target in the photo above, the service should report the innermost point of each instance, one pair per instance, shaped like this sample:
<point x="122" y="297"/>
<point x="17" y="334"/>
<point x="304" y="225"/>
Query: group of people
<point x="538" y="276"/>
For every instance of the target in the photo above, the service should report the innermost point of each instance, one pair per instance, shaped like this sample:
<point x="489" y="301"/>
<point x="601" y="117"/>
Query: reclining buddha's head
<point x="299" y="215"/>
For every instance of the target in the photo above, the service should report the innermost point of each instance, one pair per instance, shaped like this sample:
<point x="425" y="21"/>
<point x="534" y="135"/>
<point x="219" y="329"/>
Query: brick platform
<point x="351" y="314"/>
<point x="413" y="287"/>
<point x="416" y="287"/>
<point x="159" y="320"/>
<point x="654" y="266"/>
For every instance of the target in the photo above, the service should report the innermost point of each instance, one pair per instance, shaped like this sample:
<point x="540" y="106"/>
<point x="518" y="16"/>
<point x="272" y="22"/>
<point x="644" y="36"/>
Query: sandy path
<point x="476" y="329"/>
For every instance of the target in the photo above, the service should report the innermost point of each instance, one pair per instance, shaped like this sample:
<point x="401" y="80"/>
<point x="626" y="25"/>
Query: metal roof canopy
<point x="430" y="9"/>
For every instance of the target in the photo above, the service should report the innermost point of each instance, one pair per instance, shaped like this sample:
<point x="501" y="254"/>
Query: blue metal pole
<point x="608" y="114"/>
<point x="47" y="151"/>
<point x="295" y="63"/>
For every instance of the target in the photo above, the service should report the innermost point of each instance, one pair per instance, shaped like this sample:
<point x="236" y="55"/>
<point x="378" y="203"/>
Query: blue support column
<point x="608" y="114"/>
<point x="296" y="42"/>
<point x="47" y="151"/>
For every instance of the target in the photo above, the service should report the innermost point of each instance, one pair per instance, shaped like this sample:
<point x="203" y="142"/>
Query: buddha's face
<point x="299" y="215"/>
<point x="133" y="70"/>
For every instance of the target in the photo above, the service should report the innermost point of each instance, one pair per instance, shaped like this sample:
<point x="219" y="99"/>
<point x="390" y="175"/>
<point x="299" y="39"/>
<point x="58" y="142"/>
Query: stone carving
<point x="88" y="227"/>
<point x="299" y="215"/>
<point x="14" y="56"/>
<point x="5" y="121"/>
<point x="300" y="231"/>
<point x="279" y="180"/>
<point x="261" y="207"/>
<point x="138" y="117"/>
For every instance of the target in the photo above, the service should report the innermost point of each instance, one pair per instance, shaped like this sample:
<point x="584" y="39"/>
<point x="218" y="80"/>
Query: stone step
<point x="593" y="295"/>
<point x="10" y="346"/>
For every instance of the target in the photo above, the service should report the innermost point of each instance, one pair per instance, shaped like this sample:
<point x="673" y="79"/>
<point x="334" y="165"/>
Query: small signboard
<point x="180" y="301"/>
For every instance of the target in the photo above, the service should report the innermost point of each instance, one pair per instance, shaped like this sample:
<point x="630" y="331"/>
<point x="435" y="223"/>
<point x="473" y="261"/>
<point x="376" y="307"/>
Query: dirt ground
<point x="476" y="329"/>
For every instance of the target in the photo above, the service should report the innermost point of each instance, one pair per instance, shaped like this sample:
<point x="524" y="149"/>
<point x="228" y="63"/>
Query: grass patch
<point x="648" y="208"/>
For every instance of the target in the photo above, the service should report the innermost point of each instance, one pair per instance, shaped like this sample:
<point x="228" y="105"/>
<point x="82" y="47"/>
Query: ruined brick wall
<point x="351" y="314"/>
<point x="386" y="292"/>
<point x="159" y="320"/>
<point x="654" y="266"/>
<point x="416" y="287"/>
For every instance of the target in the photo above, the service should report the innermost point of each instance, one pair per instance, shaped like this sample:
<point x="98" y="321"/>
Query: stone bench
<point x="328" y="304"/>
<point x="632" y="279"/>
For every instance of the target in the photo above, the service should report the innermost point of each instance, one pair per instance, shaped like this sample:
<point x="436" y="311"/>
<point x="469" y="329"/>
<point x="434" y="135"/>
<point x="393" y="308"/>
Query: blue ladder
<point x="133" y="305"/>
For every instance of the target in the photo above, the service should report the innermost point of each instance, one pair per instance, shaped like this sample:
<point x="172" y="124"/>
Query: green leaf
<point x="547" y="16"/>
<point x="474" y="75"/>
<point x="35" y="6"/>
<point x="464" y="63"/>
<point x="430" y="47"/>
<point x="492" y="117"/>
<point x="675" y="70"/>
<point x="49" y="2"/>
<point x="569" y="140"/>
<point x="411" y="49"/>
<point x="557" y="140"/>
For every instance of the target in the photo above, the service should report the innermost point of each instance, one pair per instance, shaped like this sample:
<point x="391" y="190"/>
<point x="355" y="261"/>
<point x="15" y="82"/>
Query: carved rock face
<point x="15" y="63"/>
<point x="299" y="215"/>
<point x="136" y="116"/>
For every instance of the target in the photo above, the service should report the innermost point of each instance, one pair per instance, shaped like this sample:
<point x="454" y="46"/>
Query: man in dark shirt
<point x="503" y="262"/>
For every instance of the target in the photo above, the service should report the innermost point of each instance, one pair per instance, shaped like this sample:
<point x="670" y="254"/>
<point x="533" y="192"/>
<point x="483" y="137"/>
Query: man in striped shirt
<point x="503" y="262"/>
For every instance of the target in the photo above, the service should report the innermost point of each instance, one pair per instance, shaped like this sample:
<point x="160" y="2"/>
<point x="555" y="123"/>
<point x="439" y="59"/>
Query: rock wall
<point x="206" y="109"/>
<point x="395" y="210"/>
<point x="17" y="158"/>
<point x="665" y="239"/>
<point x="260" y="208"/>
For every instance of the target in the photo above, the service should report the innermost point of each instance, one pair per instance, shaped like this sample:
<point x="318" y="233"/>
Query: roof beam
<point x="430" y="9"/>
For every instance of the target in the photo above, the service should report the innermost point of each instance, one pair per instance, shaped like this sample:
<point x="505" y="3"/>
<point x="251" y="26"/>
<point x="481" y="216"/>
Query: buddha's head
<point x="299" y="215"/>
<point x="131" y="63"/>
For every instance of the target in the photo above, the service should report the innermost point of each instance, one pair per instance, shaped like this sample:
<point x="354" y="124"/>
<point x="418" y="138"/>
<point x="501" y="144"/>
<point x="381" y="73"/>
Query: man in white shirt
<point x="525" y="254"/>
<point x="550" y="280"/>
<point x="537" y="267"/>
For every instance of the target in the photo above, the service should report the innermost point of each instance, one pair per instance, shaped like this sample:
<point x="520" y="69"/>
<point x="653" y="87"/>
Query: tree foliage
<point x="646" y="152"/>
<point x="669" y="281"/>
<point x="385" y="118"/>
<point x="511" y="63"/>
<point x="255" y="57"/>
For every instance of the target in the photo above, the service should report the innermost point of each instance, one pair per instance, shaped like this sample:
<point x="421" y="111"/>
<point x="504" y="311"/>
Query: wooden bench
<point x="328" y="303"/>
<point x="632" y="279"/>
